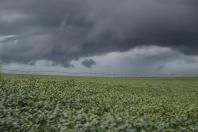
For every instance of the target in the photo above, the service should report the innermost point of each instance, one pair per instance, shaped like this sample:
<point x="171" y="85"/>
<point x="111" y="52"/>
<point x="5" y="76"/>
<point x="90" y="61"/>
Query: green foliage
<point x="98" y="104"/>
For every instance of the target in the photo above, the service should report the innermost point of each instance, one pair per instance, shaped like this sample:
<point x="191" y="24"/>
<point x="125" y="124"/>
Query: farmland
<point x="49" y="103"/>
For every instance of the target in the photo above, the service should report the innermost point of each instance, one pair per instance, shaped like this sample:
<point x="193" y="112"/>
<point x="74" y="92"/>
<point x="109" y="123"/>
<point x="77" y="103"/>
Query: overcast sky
<point x="100" y="36"/>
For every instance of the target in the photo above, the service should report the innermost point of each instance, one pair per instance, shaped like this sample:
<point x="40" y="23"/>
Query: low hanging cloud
<point x="147" y="60"/>
<point x="88" y="63"/>
<point x="64" y="30"/>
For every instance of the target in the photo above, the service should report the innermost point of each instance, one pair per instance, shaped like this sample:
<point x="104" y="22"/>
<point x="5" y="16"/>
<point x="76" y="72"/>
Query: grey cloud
<point x="65" y="30"/>
<point x="147" y="60"/>
<point x="88" y="63"/>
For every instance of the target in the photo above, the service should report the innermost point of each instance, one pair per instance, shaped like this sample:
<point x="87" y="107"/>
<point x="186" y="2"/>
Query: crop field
<point x="88" y="104"/>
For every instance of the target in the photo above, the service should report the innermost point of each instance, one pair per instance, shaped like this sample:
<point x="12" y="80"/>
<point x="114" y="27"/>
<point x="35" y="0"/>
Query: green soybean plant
<point x="96" y="104"/>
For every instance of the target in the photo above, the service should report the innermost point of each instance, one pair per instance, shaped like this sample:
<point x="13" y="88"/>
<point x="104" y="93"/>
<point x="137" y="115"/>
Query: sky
<point x="141" y="37"/>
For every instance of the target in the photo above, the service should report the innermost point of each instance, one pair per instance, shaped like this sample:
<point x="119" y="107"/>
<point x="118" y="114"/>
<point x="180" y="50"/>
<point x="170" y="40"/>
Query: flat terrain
<point x="49" y="103"/>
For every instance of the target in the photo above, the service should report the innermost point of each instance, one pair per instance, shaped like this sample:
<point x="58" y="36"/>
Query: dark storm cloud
<point x="63" y="30"/>
<point x="88" y="63"/>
